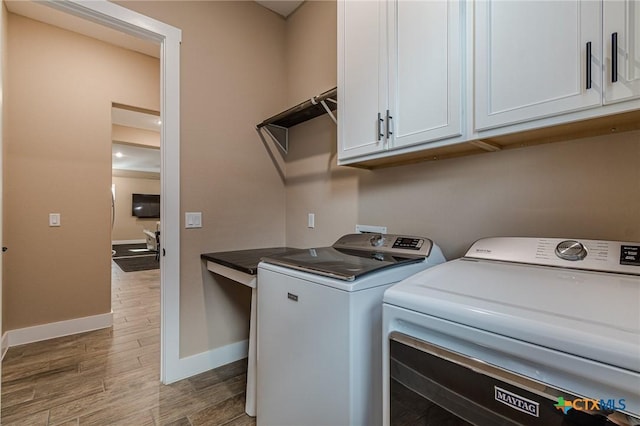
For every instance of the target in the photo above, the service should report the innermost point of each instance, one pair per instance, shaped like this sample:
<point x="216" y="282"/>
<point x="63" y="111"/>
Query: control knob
<point x="571" y="250"/>
<point x="377" y="240"/>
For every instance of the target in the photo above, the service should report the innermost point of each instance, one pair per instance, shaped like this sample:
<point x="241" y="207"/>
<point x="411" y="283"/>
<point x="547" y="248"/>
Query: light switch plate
<point x="54" y="219"/>
<point x="311" y="220"/>
<point x="193" y="220"/>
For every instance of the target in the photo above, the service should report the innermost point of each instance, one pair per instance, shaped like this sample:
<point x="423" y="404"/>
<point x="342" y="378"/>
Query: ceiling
<point x="281" y="7"/>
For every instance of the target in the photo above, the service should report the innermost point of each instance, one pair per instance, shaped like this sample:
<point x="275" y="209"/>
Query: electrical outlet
<point x="362" y="229"/>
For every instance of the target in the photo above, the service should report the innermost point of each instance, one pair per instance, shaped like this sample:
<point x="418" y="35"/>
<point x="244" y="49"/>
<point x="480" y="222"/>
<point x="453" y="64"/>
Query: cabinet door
<point x="621" y="32"/>
<point x="362" y="77"/>
<point x="531" y="59"/>
<point x="425" y="66"/>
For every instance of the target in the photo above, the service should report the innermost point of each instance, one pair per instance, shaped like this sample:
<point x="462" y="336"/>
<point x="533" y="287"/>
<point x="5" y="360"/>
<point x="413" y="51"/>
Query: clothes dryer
<point x="520" y="331"/>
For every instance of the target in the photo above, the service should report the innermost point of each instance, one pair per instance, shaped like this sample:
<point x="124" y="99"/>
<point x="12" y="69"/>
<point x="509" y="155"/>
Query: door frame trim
<point x="117" y="17"/>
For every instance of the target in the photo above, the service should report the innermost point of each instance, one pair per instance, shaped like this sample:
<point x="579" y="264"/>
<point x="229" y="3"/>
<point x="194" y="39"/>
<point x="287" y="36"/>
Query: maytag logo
<point x="517" y="402"/>
<point x="483" y="250"/>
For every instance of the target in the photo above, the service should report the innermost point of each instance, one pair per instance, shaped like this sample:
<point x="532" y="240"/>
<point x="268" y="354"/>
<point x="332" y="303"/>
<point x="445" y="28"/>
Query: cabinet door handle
<point x="588" y="65"/>
<point x="380" y="134"/>
<point x="389" y="118"/>
<point x="614" y="57"/>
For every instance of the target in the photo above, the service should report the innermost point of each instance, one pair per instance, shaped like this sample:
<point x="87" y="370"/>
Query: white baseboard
<point x="205" y="361"/>
<point x="4" y="345"/>
<point x="129" y="241"/>
<point x="52" y="330"/>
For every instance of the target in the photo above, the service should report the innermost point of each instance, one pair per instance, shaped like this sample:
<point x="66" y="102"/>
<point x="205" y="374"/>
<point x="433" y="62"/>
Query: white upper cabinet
<point x="622" y="38"/>
<point x="416" y="77"/>
<point x="399" y="74"/>
<point x="362" y="76"/>
<point x="535" y="59"/>
<point x="425" y="71"/>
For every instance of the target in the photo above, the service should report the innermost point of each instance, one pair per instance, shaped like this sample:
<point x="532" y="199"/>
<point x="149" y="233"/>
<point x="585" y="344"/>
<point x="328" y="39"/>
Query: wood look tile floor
<point x="112" y="376"/>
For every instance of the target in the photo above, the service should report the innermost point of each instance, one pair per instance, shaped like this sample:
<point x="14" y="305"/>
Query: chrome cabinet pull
<point x="588" y="65"/>
<point x="389" y="118"/>
<point x="380" y="134"/>
<point x="614" y="57"/>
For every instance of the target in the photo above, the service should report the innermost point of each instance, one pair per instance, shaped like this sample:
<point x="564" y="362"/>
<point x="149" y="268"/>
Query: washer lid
<point x="592" y="315"/>
<point x="354" y="255"/>
<point x="342" y="264"/>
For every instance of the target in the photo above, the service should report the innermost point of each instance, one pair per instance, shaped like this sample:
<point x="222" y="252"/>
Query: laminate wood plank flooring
<point x="112" y="376"/>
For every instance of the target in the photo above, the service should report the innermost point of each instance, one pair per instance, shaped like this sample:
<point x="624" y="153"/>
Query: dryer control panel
<point x="630" y="255"/>
<point x="571" y="250"/>
<point x="591" y="255"/>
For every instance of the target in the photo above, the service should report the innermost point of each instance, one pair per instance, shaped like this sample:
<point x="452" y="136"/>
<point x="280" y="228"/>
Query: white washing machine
<point x="527" y="331"/>
<point x="320" y="328"/>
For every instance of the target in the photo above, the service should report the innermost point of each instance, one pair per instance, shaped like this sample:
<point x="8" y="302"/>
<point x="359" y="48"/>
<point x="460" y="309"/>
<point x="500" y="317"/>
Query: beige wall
<point x="61" y="87"/>
<point x="587" y="188"/>
<point x="127" y="227"/>
<point x="315" y="184"/>
<point x="311" y="50"/>
<point x="232" y="77"/>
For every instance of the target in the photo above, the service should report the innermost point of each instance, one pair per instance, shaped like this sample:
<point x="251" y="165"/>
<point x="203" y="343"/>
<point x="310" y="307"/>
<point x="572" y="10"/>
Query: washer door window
<point x="434" y="387"/>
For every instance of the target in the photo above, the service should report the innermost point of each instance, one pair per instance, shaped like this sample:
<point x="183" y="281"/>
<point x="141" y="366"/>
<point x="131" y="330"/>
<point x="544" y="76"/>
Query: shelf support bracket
<point x="323" y="102"/>
<point x="314" y="107"/>
<point x="279" y="134"/>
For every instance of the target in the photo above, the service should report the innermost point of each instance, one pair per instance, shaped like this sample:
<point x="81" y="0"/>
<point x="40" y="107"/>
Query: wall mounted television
<point x="145" y="205"/>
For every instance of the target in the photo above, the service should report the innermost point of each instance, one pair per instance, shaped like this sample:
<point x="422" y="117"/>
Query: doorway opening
<point x="135" y="189"/>
<point x="125" y="21"/>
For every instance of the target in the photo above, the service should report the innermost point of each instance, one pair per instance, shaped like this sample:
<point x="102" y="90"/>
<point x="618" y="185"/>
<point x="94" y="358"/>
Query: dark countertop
<point x="245" y="260"/>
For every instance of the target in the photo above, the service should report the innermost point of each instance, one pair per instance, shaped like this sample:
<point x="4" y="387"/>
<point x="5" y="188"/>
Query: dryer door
<point x="433" y="386"/>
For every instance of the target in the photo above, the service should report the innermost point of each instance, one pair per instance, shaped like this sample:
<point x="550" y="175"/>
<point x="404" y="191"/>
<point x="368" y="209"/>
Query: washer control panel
<point x="592" y="255"/>
<point x="377" y="240"/>
<point x="395" y="245"/>
<point x="408" y="243"/>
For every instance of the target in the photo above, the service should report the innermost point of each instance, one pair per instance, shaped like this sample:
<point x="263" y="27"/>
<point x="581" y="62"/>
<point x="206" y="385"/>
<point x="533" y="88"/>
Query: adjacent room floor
<point x="111" y="376"/>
